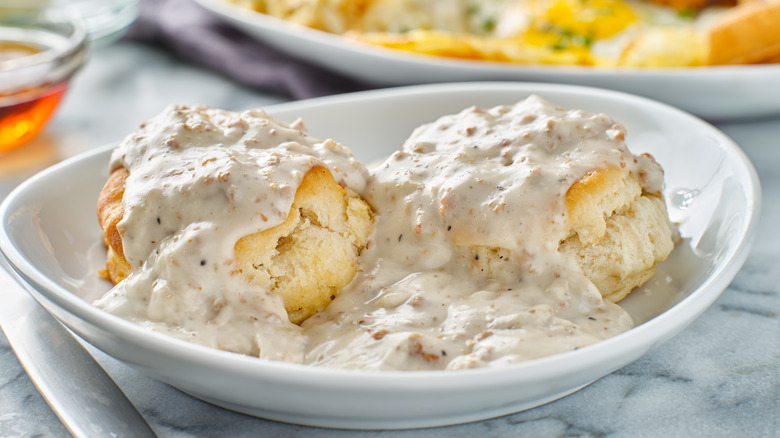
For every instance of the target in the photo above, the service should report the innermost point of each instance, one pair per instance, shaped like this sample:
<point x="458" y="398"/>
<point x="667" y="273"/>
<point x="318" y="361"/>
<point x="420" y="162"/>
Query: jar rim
<point x="21" y="25"/>
<point x="64" y="44"/>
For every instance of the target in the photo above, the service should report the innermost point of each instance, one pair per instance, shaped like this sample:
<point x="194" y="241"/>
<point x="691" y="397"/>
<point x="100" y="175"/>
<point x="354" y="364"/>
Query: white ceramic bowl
<point x="50" y="235"/>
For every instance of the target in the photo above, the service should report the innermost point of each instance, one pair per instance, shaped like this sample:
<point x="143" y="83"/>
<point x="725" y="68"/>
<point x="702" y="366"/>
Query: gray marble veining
<point x="717" y="378"/>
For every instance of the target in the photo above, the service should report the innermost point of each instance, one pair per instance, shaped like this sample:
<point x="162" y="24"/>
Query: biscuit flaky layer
<point x="109" y="213"/>
<point x="619" y="233"/>
<point x="314" y="253"/>
<point x="306" y="259"/>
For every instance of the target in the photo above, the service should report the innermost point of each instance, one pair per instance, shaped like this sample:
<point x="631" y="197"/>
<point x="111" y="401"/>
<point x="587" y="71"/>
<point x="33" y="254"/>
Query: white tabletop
<point x="719" y="377"/>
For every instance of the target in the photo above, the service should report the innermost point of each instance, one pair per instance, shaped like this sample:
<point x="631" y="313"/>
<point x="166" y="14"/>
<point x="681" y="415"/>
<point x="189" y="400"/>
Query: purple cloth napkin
<point x="196" y="35"/>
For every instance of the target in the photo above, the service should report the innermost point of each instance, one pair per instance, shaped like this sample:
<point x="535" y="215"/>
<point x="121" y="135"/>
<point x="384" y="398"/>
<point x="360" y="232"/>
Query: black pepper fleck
<point x="203" y="262"/>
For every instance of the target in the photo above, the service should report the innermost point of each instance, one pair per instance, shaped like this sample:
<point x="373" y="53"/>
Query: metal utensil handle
<point x="84" y="397"/>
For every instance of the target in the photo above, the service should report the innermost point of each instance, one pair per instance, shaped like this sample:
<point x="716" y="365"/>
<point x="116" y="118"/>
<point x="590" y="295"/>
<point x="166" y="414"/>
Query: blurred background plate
<point x="714" y="93"/>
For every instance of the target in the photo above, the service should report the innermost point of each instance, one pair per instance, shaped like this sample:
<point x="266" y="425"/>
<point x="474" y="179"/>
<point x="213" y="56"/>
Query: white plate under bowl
<point x="715" y="93"/>
<point x="51" y="237"/>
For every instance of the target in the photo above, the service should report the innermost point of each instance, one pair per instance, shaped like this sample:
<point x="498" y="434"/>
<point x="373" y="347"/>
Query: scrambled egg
<point x="633" y="33"/>
<point x="580" y="32"/>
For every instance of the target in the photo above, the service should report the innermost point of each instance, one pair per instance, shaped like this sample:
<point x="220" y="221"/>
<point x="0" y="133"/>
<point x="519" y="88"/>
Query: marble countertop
<point x="718" y="378"/>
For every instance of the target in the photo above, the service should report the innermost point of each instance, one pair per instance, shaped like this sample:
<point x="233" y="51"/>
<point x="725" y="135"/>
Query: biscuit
<point x="748" y="33"/>
<point x="618" y="232"/>
<point x="314" y="253"/>
<point x="306" y="259"/>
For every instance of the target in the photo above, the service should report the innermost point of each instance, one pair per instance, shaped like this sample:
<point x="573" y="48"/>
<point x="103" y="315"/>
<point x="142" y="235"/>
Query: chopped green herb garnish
<point x="587" y="41"/>
<point x="583" y="41"/>
<point x="489" y="24"/>
<point x="566" y="33"/>
<point x="560" y="45"/>
<point x="687" y="13"/>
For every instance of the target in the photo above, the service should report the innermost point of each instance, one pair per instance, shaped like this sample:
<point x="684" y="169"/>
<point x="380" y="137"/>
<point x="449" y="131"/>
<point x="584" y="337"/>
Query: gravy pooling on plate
<point x="465" y="267"/>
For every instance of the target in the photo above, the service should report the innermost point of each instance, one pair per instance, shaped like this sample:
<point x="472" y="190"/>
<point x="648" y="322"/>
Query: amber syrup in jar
<point x="29" y="109"/>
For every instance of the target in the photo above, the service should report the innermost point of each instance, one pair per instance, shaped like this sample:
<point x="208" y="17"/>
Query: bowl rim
<point x="239" y="13"/>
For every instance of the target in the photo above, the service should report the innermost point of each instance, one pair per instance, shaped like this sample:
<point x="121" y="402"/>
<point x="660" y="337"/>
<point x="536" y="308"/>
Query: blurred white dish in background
<point x="50" y="235"/>
<point x="721" y="92"/>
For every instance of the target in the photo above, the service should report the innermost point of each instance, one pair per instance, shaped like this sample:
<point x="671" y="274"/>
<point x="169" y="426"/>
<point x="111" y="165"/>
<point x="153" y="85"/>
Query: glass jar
<point x="39" y="53"/>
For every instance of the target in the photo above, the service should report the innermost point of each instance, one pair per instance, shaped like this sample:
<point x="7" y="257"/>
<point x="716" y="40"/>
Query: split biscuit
<point x="314" y="253"/>
<point x="306" y="259"/>
<point x="617" y="234"/>
<point x="618" y="231"/>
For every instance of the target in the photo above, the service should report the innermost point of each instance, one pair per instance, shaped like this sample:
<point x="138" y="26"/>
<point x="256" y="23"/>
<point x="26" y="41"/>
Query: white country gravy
<point x="463" y="270"/>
